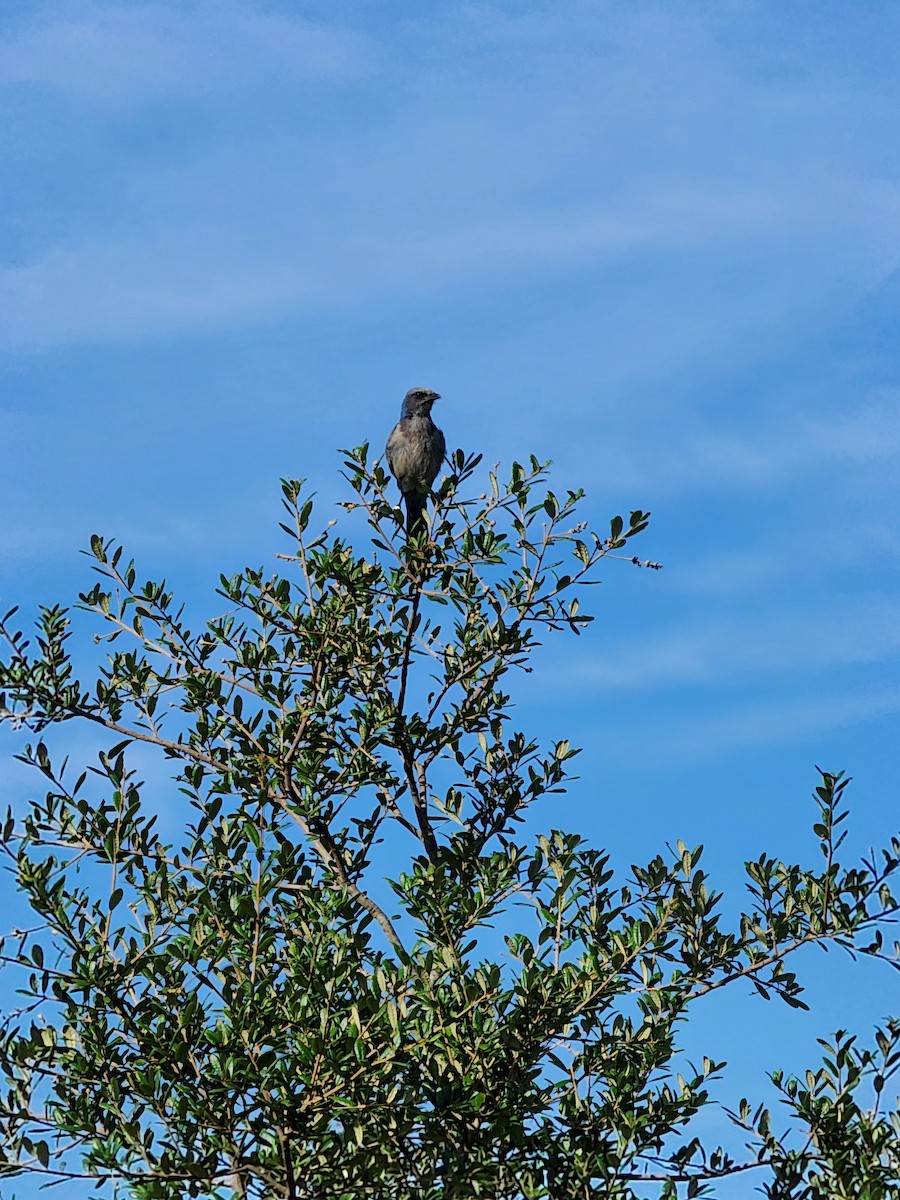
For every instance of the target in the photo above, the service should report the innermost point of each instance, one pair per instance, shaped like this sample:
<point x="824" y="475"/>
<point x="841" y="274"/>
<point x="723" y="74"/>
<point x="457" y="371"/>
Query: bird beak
<point x="435" y="395"/>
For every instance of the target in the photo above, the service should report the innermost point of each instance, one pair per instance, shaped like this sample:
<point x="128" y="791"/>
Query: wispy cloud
<point x="594" y="202"/>
<point x="161" y="279"/>
<point x="122" y="55"/>
<point x="774" y="721"/>
<point x="803" y="433"/>
<point x="729" y="573"/>
<point x="423" y="185"/>
<point x="133" y="289"/>
<point x="704" y="652"/>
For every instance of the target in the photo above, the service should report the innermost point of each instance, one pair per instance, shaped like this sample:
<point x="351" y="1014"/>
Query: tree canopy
<point x="353" y="972"/>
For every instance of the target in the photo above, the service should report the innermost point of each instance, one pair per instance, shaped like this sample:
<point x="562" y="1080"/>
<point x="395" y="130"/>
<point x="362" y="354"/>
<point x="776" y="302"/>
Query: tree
<point x="253" y="1011"/>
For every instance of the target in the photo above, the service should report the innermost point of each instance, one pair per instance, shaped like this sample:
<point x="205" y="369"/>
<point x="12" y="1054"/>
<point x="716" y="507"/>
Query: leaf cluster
<point x="348" y="972"/>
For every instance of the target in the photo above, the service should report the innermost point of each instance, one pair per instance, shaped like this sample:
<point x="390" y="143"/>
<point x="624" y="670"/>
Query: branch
<point x="323" y="844"/>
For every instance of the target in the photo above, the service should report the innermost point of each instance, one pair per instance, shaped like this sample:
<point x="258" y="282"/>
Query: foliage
<point x="249" y="1009"/>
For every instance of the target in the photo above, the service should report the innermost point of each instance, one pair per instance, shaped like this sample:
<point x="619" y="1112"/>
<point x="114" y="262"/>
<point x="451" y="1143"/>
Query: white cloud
<point x="770" y="722"/>
<point x="729" y="573"/>
<point x="101" y="290"/>
<point x="447" y="173"/>
<point x="192" y="258"/>
<point x="862" y="434"/>
<point x="861" y="629"/>
<point x="789" y="440"/>
<point x="112" y="54"/>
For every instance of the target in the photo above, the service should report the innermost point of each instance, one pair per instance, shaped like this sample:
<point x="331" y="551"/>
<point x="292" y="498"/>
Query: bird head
<point x="418" y="401"/>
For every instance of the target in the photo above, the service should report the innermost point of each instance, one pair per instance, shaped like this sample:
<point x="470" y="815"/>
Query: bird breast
<point x="414" y="454"/>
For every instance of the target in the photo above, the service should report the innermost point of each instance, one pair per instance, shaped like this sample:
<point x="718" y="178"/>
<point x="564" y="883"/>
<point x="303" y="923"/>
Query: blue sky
<point x="655" y="242"/>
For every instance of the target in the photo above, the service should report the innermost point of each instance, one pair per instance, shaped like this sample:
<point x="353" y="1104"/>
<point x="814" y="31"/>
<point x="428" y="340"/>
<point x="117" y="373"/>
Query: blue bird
<point x="415" y="451"/>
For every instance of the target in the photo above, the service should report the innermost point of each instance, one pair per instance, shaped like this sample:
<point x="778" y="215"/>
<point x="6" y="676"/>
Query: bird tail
<point x="415" y="513"/>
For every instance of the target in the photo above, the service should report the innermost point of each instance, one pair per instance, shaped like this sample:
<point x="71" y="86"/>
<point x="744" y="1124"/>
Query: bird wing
<point x="390" y="447"/>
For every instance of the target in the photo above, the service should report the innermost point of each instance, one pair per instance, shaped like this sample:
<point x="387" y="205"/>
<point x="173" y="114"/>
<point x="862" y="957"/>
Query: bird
<point x="415" y="450"/>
